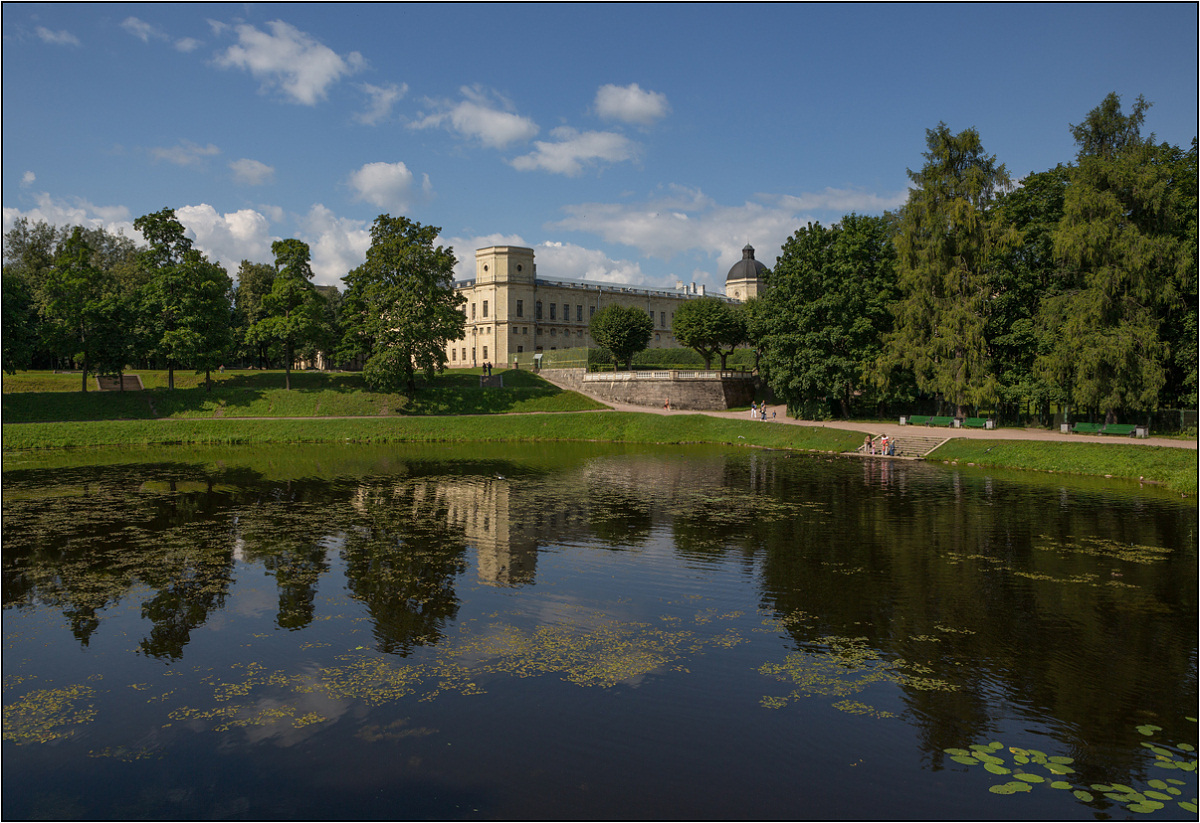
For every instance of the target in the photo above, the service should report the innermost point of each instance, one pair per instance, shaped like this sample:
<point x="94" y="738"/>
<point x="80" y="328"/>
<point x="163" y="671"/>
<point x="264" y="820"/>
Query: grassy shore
<point x="614" y="427"/>
<point x="46" y="397"/>
<point x="1175" y="468"/>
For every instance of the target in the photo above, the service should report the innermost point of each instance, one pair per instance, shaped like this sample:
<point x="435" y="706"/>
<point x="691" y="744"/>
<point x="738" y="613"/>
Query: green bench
<point x="1087" y="428"/>
<point x="940" y="421"/>
<point x="976" y="422"/>
<point x="1125" y="429"/>
<point x="918" y="419"/>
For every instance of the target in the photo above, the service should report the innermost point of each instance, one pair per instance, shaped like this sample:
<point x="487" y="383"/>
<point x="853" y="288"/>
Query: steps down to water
<point x="910" y="445"/>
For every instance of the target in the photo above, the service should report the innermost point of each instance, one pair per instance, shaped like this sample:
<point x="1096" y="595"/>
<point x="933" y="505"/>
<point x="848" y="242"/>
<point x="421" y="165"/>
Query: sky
<point x="641" y="144"/>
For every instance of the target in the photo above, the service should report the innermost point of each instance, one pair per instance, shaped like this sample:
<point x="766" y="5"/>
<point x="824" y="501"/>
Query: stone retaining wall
<point x="689" y="390"/>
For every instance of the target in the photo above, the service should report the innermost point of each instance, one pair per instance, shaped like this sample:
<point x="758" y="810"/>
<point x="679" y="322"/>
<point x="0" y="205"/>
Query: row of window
<point x="454" y="354"/>
<point x="566" y="312"/>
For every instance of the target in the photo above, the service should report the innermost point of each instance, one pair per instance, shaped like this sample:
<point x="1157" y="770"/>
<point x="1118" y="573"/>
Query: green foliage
<point x="828" y="307"/>
<point x="293" y="311"/>
<point x="949" y="243"/>
<point x="623" y="330"/>
<point x="1127" y="239"/>
<point x="254" y="282"/>
<point x="400" y="309"/>
<point x="18" y="326"/>
<point x="709" y="326"/>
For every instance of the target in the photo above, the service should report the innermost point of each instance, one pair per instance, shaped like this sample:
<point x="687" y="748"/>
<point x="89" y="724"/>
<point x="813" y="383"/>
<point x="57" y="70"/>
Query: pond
<point x="582" y="631"/>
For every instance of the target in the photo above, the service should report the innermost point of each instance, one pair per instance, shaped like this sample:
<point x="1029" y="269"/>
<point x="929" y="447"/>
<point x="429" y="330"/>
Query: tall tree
<point x="709" y="327"/>
<point x="19" y="323"/>
<point x="623" y="330"/>
<point x="949" y="243"/>
<point x="400" y="309"/>
<point x="73" y="297"/>
<point x="186" y="298"/>
<point x="254" y="282"/>
<point x="1127" y="240"/>
<point x="295" y="311"/>
<point x="828" y="308"/>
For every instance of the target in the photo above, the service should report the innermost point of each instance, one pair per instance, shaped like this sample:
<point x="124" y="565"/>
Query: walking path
<point x="895" y="430"/>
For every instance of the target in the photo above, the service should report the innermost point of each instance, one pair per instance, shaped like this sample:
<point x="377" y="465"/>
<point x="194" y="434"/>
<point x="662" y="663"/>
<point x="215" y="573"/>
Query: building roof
<point x="747" y="268"/>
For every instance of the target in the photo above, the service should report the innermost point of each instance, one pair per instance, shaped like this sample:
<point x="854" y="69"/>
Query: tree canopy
<point x="623" y="330"/>
<point x="293" y="310"/>
<point x="709" y="326"/>
<point x="400" y="309"/>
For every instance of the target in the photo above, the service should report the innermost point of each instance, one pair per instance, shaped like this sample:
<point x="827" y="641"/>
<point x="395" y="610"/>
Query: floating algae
<point x="48" y="714"/>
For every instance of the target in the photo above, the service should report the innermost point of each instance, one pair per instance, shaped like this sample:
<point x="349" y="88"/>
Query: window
<point x="485" y="357"/>
<point x="520" y="308"/>
<point x="579" y="333"/>
<point x="553" y="310"/>
<point x="591" y="312"/>
<point x="520" y="349"/>
<point x="524" y="330"/>
<point x="472" y="354"/>
<point x="539" y="331"/>
<point x="651" y="311"/>
<point x="464" y="357"/>
<point x="662" y="319"/>
<point x="553" y="332"/>
<point x="453" y="355"/>
<point x="537" y="310"/>
<point x="485" y="312"/>
<point x="472" y="311"/>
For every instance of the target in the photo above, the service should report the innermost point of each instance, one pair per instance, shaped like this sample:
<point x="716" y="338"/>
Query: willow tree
<point x="950" y="242"/>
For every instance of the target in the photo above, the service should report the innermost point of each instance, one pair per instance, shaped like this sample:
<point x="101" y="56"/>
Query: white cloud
<point x="844" y="201"/>
<point x="574" y="150"/>
<point x="465" y="247"/>
<point x="630" y="104"/>
<point x="186" y="153"/>
<point x="27" y="179"/>
<point x="229" y="238"/>
<point x="187" y="44"/>
<point x="57" y="38"/>
<point x="491" y="122"/>
<point x="289" y="59"/>
<point x="142" y="30"/>
<point x="382" y="98"/>
<point x="388" y="185"/>
<point x="74" y="211"/>
<point x="251" y="172"/>
<point x="572" y="262"/>
<point x="337" y="244"/>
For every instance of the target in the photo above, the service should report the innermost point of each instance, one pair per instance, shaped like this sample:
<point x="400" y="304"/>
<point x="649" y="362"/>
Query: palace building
<point x="511" y="310"/>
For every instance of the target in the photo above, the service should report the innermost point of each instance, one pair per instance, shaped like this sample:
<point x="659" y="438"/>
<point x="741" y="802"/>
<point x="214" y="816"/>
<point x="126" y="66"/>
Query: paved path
<point x="896" y="430"/>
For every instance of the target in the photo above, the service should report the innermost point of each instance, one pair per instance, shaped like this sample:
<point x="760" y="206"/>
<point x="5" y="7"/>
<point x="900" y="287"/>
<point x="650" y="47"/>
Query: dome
<point x="747" y="268"/>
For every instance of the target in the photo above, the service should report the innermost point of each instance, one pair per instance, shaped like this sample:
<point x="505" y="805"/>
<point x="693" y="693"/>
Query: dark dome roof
<point x="747" y="268"/>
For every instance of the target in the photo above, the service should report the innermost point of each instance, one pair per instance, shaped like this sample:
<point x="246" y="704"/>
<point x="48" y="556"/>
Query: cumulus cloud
<point x="337" y="244"/>
<point x="572" y="262"/>
<point x="186" y="153"/>
<point x="251" y="172"/>
<point x="57" y="38"/>
<point x="631" y="104"/>
<point x="142" y="30"/>
<point x="485" y="117"/>
<point x="380" y="100"/>
<point x="27" y="179"/>
<point x="187" y="44"/>
<point x="73" y="211"/>
<point x="465" y="247"/>
<point x="388" y="185"/>
<point x="284" y="57"/>
<point x="228" y="238"/>
<point x="574" y="150"/>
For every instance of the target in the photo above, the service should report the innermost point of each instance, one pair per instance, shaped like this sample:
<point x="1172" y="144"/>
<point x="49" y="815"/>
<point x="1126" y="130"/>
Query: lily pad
<point x="1029" y="778"/>
<point x="960" y="752"/>
<point x="1086" y="797"/>
<point x="1187" y="807"/>
<point x="1102" y="787"/>
<point x="1060" y="784"/>
<point x="1009" y="788"/>
<point x="989" y="758"/>
<point x="1153" y="795"/>
<point x="1187" y="747"/>
<point x="966" y="761"/>
<point x="1056" y="768"/>
<point x="1156" y="784"/>
<point x="1149" y="729"/>
<point x="1058" y="758"/>
<point x="996" y="768"/>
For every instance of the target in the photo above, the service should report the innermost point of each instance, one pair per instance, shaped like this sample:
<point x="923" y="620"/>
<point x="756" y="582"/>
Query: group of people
<point x="759" y="411"/>
<point x="487" y="369"/>
<point x="882" y="446"/>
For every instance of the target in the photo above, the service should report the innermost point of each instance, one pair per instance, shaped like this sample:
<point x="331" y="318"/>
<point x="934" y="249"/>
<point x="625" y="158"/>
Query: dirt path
<point x="896" y="430"/>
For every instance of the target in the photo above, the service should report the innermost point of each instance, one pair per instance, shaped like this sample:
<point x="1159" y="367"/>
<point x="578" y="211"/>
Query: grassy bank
<point x="1176" y="468"/>
<point x="616" y="427"/>
<point x="46" y="397"/>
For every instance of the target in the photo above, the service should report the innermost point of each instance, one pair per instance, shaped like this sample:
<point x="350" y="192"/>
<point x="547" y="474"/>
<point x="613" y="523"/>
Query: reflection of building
<point x="506" y="548"/>
<point x="510" y="309"/>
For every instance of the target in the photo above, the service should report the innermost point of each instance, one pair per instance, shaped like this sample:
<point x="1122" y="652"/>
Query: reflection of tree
<point x="402" y="556"/>
<point x="192" y="578"/>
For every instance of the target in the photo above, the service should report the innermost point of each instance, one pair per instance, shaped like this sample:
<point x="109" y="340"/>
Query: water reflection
<point x="962" y="604"/>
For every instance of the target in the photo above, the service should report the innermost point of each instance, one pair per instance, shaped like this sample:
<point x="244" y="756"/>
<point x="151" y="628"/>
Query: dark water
<point x="578" y="631"/>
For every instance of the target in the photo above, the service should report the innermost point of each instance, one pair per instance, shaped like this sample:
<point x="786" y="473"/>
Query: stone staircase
<point x="914" y="445"/>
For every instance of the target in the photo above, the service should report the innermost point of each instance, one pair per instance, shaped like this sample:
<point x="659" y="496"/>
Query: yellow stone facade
<point x="510" y="309"/>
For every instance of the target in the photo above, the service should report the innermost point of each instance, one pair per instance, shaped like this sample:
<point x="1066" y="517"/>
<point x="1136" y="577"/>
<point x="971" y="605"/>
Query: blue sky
<point x="629" y="143"/>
